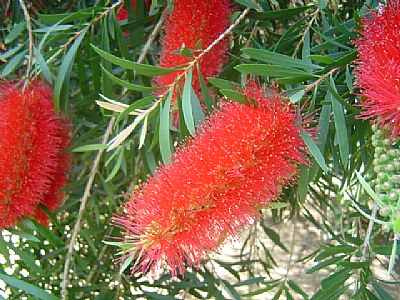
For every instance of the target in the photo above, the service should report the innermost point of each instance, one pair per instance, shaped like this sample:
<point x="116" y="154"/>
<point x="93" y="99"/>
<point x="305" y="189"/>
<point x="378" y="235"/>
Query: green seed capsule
<point x="386" y="186"/>
<point x="389" y="167"/>
<point x="384" y="211"/>
<point x="393" y="196"/>
<point x="393" y="153"/>
<point x="384" y="158"/>
<point x="381" y="175"/>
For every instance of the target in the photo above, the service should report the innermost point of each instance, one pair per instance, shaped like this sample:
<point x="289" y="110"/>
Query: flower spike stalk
<point x="236" y="164"/>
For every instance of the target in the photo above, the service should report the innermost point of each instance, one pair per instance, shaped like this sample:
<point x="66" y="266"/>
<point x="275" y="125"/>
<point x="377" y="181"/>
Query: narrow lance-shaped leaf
<point x="27" y="288"/>
<point x="65" y="67"/>
<point x="314" y="150"/>
<point x="142" y="69"/>
<point x="341" y="129"/>
<point x="163" y="134"/>
<point x="187" y="102"/>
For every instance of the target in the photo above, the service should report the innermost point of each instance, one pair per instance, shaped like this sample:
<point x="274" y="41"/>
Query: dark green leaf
<point x="273" y="71"/>
<point x="324" y="264"/>
<point x="279" y="59"/>
<point x="65" y="68"/>
<point x="382" y="294"/>
<point x="187" y="102"/>
<point x="316" y="153"/>
<point x="278" y="14"/>
<point x="129" y="86"/>
<point x="27" y="288"/>
<point x="91" y="147"/>
<point x="142" y="69"/>
<point x="163" y="134"/>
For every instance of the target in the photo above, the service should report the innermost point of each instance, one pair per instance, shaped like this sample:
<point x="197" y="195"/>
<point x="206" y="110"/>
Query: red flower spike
<point x="236" y="164"/>
<point x="191" y="22"/>
<point x="378" y="69"/>
<point x="32" y="168"/>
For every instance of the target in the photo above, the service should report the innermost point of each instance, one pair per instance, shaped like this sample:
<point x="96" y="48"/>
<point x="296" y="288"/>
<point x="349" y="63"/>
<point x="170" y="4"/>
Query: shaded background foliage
<point x="83" y="51"/>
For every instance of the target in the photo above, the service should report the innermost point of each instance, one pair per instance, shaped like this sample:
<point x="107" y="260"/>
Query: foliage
<point x="102" y="69"/>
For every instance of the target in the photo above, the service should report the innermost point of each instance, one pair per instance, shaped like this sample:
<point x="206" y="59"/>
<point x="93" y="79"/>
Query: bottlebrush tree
<point x="220" y="149"/>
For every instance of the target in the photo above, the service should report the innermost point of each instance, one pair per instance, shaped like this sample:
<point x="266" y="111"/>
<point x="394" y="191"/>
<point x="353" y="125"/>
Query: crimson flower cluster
<point x="191" y="22"/>
<point x="32" y="167"/>
<point x="236" y="164"/>
<point x="378" y="69"/>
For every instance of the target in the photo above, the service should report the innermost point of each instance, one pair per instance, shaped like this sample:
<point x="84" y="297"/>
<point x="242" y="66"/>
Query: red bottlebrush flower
<point x="236" y="164"/>
<point x="191" y="22"/>
<point x="378" y="69"/>
<point x="32" y="138"/>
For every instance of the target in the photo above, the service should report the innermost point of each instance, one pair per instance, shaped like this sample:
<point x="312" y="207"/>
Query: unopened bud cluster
<point x="387" y="169"/>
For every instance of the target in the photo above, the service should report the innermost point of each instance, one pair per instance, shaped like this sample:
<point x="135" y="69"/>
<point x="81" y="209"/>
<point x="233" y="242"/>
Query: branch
<point x="30" y="36"/>
<point x="96" y="162"/>
<point x="86" y="194"/>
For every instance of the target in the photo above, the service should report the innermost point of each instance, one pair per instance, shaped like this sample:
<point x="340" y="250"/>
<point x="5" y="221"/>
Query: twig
<point x="65" y="278"/>
<point x="142" y="114"/>
<point x="75" y="36"/>
<point x="30" y="36"/>
<point x="151" y="38"/>
<point x="226" y="32"/>
<point x="366" y="245"/>
<point x="305" y="32"/>
<point x="318" y="81"/>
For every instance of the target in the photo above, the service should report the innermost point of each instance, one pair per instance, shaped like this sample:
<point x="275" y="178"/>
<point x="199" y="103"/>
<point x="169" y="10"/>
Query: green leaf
<point x="10" y="52"/>
<point x="324" y="264"/>
<point x="27" y="288"/>
<point x="279" y="59"/>
<point x="341" y="130"/>
<point x="207" y="98"/>
<point x="370" y="191"/>
<point x="278" y="205"/>
<point x="336" y="279"/>
<point x="82" y="14"/>
<point x="129" y="86"/>
<point x="382" y="294"/>
<point x="13" y="63"/>
<point x="273" y="71"/>
<point x="142" y="69"/>
<point x="91" y="147"/>
<point x="355" y="264"/>
<point x="116" y="166"/>
<point x="231" y="290"/>
<point x="198" y="113"/>
<point x="15" y="32"/>
<point x="297" y="289"/>
<point x="278" y="14"/>
<point x="247" y="3"/>
<point x="157" y="296"/>
<point x="25" y="235"/>
<point x="222" y="84"/>
<point x="187" y="102"/>
<point x="313" y="148"/>
<point x="43" y="65"/>
<point x="322" y="58"/>
<point x="126" y="263"/>
<point x="163" y="134"/>
<point x="396" y="225"/>
<point x="65" y="69"/>
<point x="273" y="236"/>
<point x="234" y="96"/>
